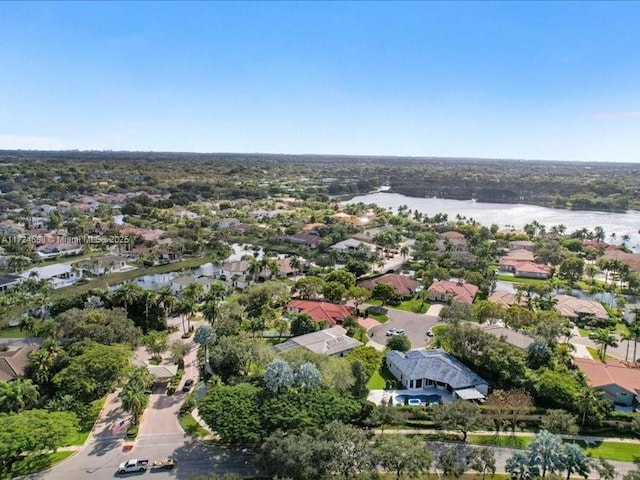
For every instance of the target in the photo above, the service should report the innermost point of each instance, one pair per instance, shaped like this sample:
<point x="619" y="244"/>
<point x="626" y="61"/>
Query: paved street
<point x="160" y="436"/>
<point x="415" y="326"/>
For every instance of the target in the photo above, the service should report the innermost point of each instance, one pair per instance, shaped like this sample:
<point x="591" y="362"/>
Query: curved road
<point x="160" y="436"/>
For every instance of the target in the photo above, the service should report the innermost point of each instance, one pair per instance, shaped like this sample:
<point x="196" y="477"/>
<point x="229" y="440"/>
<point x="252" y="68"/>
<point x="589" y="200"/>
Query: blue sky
<point x="549" y="80"/>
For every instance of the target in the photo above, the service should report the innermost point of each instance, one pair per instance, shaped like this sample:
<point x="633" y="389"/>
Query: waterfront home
<point x="447" y="290"/>
<point x="59" y="275"/>
<point x="576" y="308"/>
<point x="524" y="268"/>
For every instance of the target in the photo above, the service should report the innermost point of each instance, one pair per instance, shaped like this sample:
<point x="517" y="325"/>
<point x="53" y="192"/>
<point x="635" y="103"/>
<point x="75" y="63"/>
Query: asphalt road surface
<point x="415" y="327"/>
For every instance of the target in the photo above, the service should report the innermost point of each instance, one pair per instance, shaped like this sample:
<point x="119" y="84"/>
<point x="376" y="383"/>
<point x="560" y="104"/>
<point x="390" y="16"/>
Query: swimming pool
<point x="416" y="400"/>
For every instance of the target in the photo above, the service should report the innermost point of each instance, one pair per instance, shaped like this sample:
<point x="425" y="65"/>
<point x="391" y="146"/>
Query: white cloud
<point x="32" y="142"/>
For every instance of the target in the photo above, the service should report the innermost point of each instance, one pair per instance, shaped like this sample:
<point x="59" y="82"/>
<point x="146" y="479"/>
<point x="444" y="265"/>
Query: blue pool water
<point x="423" y="399"/>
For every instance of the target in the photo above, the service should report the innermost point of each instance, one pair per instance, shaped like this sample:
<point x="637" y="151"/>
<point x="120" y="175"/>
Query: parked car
<point x="187" y="385"/>
<point x="391" y="332"/>
<point x="429" y="333"/>
<point x="399" y="331"/>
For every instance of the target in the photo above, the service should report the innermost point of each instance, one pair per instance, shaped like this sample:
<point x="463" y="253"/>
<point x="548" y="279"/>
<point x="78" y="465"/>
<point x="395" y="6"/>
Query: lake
<point x="515" y="215"/>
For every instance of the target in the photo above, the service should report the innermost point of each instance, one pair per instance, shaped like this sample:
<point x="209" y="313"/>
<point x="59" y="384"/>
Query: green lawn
<point x="621" y="328"/>
<point x="584" y="332"/>
<point x="375" y="302"/>
<point x="500" y="440"/>
<point x="414" y="305"/>
<point x="381" y="317"/>
<point x="529" y="281"/>
<point x="379" y="378"/>
<point x="34" y="463"/>
<point x="594" y="353"/>
<point x="624" y="452"/>
<point x="87" y="424"/>
<point x="11" y="332"/>
<point x="192" y="427"/>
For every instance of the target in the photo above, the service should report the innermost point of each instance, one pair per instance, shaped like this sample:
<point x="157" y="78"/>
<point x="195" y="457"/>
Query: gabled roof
<point x="163" y="372"/>
<point x="330" y="341"/>
<point x="460" y="292"/>
<point x="320" y="311"/>
<point x="436" y="365"/>
<point x="572" y="307"/>
<point x="9" y="279"/>
<point x="452" y="235"/>
<point x="510" y="336"/>
<point x="401" y="284"/>
<point x="506" y="299"/>
<point x="611" y="372"/>
<point x="49" y="271"/>
<point x="14" y="362"/>
<point x="524" y="266"/>
<point x="237" y="266"/>
<point x="520" y="254"/>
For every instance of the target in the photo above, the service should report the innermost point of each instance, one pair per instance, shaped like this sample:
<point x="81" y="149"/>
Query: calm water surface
<point x="517" y="216"/>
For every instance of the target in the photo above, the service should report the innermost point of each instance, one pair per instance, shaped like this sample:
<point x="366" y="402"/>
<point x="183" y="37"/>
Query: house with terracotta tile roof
<point x="447" y="290"/>
<point x="505" y="299"/>
<point x="312" y="227"/>
<point x="573" y="308"/>
<point x="525" y="269"/>
<point x="401" y="284"/>
<point x="631" y="259"/>
<point x="452" y="239"/>
<point x="321" y="311"/>
<point x="617" y="380"/>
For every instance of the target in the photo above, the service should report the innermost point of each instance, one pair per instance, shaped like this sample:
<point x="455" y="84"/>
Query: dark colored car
<point x="187" y="385"/>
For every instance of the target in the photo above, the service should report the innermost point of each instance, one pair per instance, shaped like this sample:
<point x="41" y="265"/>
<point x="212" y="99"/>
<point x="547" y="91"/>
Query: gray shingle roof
<point x="436" y="365"/>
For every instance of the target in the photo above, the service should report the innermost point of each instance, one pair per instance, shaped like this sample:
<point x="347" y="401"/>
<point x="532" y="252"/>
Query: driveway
<point x="415" y="327"/>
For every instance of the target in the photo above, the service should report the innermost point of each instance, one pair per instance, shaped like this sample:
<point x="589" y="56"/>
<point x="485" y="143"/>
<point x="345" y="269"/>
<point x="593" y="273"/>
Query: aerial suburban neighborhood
<point x="427" y="265"/>
<point x="180" y="343"/>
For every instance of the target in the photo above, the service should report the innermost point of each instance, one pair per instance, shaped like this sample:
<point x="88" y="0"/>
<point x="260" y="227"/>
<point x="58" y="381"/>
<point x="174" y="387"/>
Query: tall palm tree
<point x="167" y="300"/>
<point x="296" y="264"/>
<point x="42" y="361"/>
<point x="133" y="398"/>
<point x="18" y="395"/>
<point x="604" y="338"/>
<point x="634" y="328"/>
<point x="627" y="337"/>
<point x="127" y="294"/>
<point x="587" y="399"/>
<point x="193" y="294"/>
<point x="255" y="267"/>
<point x="28" y="326"/>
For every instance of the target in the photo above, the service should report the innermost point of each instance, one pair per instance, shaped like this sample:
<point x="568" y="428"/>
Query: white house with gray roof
<point x="425" y="369"/>
<point x="331" y="341"/>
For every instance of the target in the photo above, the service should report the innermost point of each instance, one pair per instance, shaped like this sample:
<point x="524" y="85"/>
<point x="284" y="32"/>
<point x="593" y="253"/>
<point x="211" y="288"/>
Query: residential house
<point x="525" y="269"/>
<point x="352" y="219"/>
<point x="105" y="264"/>
<point x="351" y="245"/>
<point x="455" y="291"/>
<point x="8" y="282"/>
<point x="321" y="311"/>
<point x="617" y="380"/>
<point x="451" y="241"/>
<point x="521" y="245"/>
<point x="575" y="308"/>
<point x="422" y="369"/>
<point x="235" y="274"/>
<point x="305" y="239"/>
<point x="330" y="341"/>
<point x="59" y="275"/>
<point x="55" y="250"/>
<point x="369" y="234"/>
<point x="403" y="286"/>
<point x="284" y="269"/>
<point x="508" y="335"/>
<point x="178" y="284"/>
<point x="13" y="362"/>
<point x="520" y="254"/>
<point x="147" y="234"/>
<point x="505" y="299"/>
<point x="631" y="259"/>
